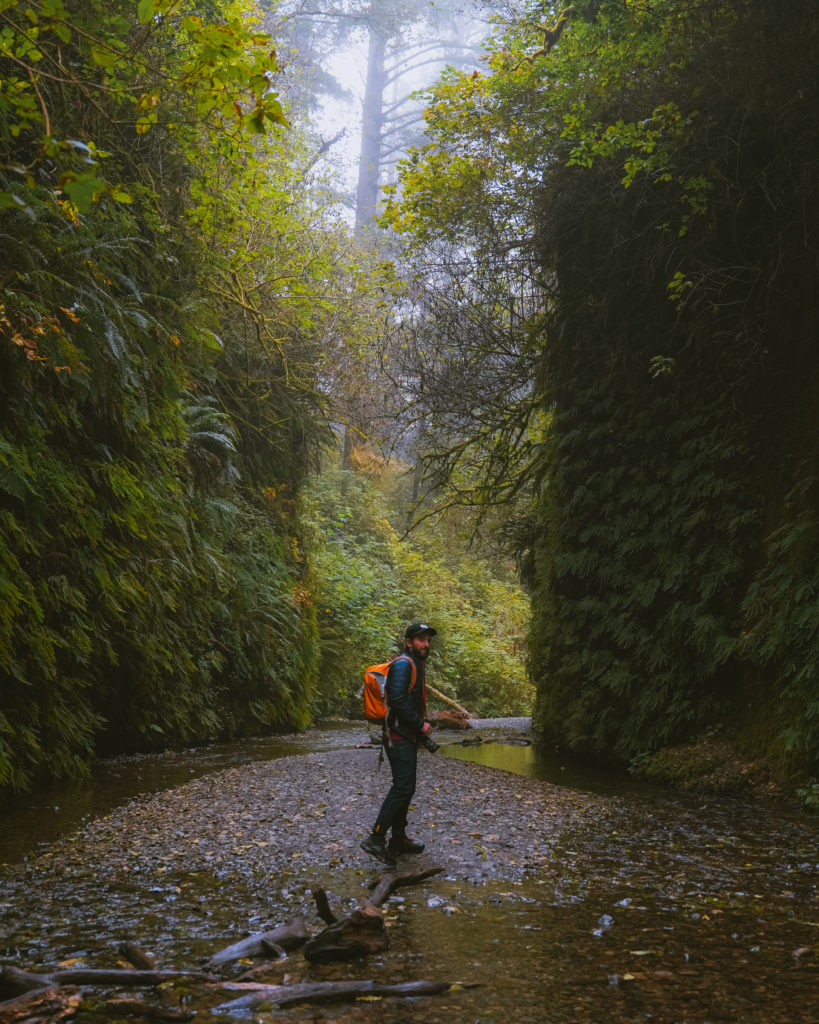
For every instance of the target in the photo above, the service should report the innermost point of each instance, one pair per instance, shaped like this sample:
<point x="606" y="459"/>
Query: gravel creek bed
<point x="566" y="905"/>
<point x="272" y="828"/>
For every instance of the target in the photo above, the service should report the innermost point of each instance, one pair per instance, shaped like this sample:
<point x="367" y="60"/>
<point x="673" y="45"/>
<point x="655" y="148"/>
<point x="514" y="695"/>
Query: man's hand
<point x="426" y="728"/>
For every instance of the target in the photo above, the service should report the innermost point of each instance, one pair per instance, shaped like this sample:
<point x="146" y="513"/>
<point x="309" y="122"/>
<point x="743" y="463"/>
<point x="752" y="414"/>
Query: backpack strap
<point x="412" y="666"/>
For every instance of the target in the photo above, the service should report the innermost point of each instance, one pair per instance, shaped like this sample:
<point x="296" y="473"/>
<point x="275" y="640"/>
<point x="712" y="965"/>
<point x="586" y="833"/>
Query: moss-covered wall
<point x="677" y="566"/>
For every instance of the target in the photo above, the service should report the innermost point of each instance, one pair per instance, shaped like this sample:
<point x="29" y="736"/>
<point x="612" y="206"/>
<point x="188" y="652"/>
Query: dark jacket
<point x="406" y="706"/>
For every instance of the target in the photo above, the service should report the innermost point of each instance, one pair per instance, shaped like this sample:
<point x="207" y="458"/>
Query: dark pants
<point x="403" y="758"/>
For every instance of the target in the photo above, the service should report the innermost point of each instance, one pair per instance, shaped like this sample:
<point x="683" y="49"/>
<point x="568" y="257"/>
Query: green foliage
<point x="163" y="302"/>
<point x="371" y="583"/>
<point x="651" y="180"/>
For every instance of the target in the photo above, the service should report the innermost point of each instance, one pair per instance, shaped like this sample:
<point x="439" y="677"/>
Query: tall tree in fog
<point x="405" y="39"/>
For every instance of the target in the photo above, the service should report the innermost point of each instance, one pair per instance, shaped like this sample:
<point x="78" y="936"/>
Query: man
<point x="406" y="725"/>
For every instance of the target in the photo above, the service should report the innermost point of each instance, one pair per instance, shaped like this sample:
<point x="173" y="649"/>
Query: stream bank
<point x="566" y="905"/>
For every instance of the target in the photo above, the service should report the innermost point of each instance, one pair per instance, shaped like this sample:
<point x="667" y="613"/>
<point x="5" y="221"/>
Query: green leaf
<point x="105" y="57"/>
<point x="84" y="189"/>
<point x="8" y="200"/>
<point x="145" y="11"/>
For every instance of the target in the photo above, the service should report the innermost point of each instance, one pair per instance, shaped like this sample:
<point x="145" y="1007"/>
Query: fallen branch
<point x="323" y="905"/>
<point x="363" y="932"/>
<point x="286" y="936"/>
<point x="330" y="992"/>
<point x="450" y="701"/>
<point x="360" y="934"/>
<point x="387" y="884"/>
<point x="50" y="1005"/>
<point x="16" y="981"/>
<point x="95" y="976"/>
<point x="137" y="956"/>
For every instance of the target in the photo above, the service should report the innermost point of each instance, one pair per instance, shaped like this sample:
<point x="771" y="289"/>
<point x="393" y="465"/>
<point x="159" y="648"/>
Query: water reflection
<point x="541" y="763"/>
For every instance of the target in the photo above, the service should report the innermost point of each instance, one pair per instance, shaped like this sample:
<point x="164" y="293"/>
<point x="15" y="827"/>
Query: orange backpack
<point x="374" y="690"/>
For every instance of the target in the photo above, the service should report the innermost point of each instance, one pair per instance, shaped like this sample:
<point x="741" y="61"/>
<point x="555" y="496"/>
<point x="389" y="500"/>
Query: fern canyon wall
<point x="153" y="428"/>
<point x="676" y="569"/>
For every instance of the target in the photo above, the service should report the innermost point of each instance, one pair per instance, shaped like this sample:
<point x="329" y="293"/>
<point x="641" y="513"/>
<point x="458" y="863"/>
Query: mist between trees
<point x="570" y="333"/>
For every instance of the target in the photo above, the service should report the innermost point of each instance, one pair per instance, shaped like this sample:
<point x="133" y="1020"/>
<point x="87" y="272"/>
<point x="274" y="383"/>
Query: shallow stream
<point x="641" y="905"/>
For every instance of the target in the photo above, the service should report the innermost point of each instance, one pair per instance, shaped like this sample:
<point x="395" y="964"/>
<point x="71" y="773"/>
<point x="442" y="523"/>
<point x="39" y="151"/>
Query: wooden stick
<point x="449" y="700"/>
<point x="323" y="905"/>
<point x="137" y="956"/>
<point x="387" y="884"/>
<point x="128" y="1006"/>
<point x="363" y="932"/>
<point x="16" y="982"/>
<point x="94" y="976"/>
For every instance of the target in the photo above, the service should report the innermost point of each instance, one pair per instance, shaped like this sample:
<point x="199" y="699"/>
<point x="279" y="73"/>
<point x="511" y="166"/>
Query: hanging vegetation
<point x="165" y="295"/>
<point x="648" y="174"/>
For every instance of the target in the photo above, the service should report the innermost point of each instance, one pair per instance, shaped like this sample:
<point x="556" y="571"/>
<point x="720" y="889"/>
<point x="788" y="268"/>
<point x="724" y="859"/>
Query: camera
<point x="429" y="743"/>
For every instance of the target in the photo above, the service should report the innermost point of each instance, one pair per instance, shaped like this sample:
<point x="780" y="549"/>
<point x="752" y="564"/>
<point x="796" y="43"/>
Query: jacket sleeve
<point x="404" y="713"/>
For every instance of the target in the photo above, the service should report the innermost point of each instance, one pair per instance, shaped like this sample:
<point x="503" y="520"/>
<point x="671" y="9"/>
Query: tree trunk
<point x="452" y="703"/>
<point x="347" y="447"/>
<point x="372" y="119"/>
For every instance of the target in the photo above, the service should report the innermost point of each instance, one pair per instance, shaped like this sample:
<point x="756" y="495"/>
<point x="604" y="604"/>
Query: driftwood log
<point x="287" y="936"/>
<point x="329" y="992"/>
<point x="14" y="982"/>
<point x="448" y="720"/>
<point x="363" y="932"/>
<point x="387" y="884"/>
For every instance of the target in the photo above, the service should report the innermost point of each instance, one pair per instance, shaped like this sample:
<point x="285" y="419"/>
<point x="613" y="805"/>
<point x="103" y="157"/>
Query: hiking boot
<point x="399" y="845"/>
<point x="376" y="847"/>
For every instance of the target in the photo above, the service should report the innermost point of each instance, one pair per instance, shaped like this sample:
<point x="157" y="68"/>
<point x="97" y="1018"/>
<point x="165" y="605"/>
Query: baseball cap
<point x="416" y="628"/>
